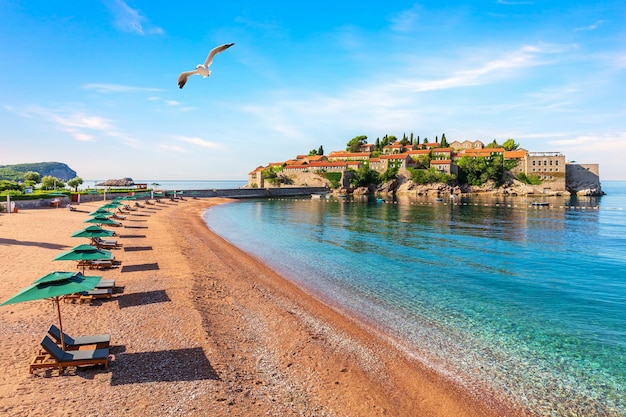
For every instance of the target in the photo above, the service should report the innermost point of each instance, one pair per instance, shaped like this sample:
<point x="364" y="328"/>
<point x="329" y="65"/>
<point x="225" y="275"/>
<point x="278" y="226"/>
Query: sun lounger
<point x="103" y="264"/>
<point x="105" y="244"/>
<point x="56" y="358"/>
<point x="118" y="217"/>
<point x="106" y="283"/>
<point x="99" y="293"/>
<point x="100" y="341"/>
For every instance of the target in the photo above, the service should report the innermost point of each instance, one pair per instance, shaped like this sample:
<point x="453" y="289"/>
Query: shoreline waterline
<point x="201" y="327"/>
<point x="532" y="364"/>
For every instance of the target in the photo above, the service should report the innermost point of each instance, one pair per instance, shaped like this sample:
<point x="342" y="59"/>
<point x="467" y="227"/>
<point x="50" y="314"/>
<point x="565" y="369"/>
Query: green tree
<point x="320" y="151"/>
<point x="479" y="170"/>
<point x="510" y="145"/>
<point x="422" y="161"/>
<point x="389" y="174"/>
<point x="75" y="182"/>
<point x="430" y="176"/>
<point x="493" y="144"/>
<point x="444" y="141"/>
<point x="9" y="185"/>
<point x="354" y="145"/>
<point x="32" y="176"/>
<point x="51" y="183"/>
<point x="313" y="152"/>
<point x="364" y="176"/>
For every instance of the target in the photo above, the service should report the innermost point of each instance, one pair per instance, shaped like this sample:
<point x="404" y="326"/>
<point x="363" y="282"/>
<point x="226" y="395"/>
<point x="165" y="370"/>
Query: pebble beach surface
<point x="200" y="328"/>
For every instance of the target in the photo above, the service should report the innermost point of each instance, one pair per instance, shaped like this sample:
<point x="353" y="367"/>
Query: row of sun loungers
<point x="58" y="353"/>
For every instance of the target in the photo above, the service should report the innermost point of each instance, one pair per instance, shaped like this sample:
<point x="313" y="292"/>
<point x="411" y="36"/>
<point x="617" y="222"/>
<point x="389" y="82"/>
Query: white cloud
<point x="128" y="19"/>
<point x="172" y="148"/>
<point x="591" y="27"/>
<point x="404" y="21"/>
<point x="117" y="88"/>
<point x="81" y="125"/>
<point x="172" y="102"/>
<point x="493" y="70"/>
<point x="200" y="142"/>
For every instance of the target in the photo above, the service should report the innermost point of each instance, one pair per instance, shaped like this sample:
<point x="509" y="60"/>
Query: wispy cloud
<point x="494" y="70"/>
<point x="79" y="124"/>
<point x="172" y="148"/>
<point x="118" y="88"/>
<point x="128" y="19"/>
<point x="200" y="142"/>
<point x="404" y="21"/>
<point x="591" y="27"/>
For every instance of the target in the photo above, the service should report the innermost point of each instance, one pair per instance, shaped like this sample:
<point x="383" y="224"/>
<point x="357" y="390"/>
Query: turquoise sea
<point x="526" y="301"/>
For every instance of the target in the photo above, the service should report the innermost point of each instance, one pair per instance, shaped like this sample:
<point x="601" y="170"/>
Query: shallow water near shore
<point x="528" y="301"/>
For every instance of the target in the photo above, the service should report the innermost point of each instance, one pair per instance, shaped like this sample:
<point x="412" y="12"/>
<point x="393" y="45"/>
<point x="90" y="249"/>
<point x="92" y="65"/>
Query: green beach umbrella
<point x="55" y="285"/>
<point x="93" y="231"/>
<point x="101" y="220"/>
<point x="84" y="253"/>
<point x="100" y="211"/>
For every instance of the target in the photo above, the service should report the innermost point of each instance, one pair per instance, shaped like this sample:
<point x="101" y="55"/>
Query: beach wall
<point x="224" y="193"/>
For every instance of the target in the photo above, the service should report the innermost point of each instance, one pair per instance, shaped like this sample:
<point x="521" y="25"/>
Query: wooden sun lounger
<point x="100" y="341"/>
<point x="56" y="358"/>
<point x="99" y="293"/>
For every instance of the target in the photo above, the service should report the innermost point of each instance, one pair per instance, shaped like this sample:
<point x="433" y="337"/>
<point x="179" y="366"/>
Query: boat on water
<point x="540" y="204"/>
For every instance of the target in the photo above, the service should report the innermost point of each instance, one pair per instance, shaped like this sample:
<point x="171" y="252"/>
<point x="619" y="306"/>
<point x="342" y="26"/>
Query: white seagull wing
<point x="182" y="78"/>
<point x="215" y="51"/>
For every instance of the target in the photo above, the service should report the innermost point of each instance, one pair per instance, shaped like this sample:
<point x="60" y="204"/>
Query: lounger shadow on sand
<point x="188" y="364"/>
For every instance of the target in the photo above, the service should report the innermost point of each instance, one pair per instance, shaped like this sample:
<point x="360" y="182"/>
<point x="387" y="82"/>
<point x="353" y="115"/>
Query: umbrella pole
<point x="56" y="300"/>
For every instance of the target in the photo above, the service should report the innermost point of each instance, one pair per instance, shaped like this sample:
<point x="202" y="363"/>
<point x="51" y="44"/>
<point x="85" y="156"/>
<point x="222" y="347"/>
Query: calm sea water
<point x="528" y="301"/>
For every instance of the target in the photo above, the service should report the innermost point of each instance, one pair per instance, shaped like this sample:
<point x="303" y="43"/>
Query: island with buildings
<point x="406" y="167"/>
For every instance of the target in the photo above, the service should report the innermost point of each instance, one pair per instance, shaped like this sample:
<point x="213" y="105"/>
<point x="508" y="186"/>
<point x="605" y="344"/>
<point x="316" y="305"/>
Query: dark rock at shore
<point x="122" y="182"/>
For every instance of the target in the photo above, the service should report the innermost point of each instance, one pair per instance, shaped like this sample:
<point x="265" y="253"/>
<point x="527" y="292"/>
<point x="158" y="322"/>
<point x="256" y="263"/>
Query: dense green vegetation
<point x="532" y="179"/>
<point x="430" y="176"/>
<point x="334" y="178"/>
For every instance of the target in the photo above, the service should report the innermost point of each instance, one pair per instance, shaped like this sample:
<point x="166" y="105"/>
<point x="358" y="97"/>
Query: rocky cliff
<point x="54" y="169"/>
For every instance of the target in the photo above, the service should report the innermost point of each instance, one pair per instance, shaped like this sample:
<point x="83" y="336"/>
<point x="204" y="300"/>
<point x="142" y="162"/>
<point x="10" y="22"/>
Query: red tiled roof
<point x="519" y="153"/>
<point x="339" y="154"/>
<point x="395" y="156"/>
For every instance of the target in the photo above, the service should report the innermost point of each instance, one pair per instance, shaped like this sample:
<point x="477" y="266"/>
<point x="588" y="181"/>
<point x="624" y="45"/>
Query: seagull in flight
<point x="203" y="69"/>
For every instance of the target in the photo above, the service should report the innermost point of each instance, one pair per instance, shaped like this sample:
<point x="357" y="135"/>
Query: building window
<point x="556" y="169"/>
<point x="556" y="162"/>
<point x="534" y="164"/>
<point x="550" y="161"/>
<point x="545" y="162"/>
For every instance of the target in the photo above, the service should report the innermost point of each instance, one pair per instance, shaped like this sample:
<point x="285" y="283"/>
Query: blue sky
<point x="93" y="83"/>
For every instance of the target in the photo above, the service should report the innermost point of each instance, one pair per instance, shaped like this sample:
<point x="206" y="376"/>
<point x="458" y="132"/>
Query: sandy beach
<point x="200" y="329"/>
